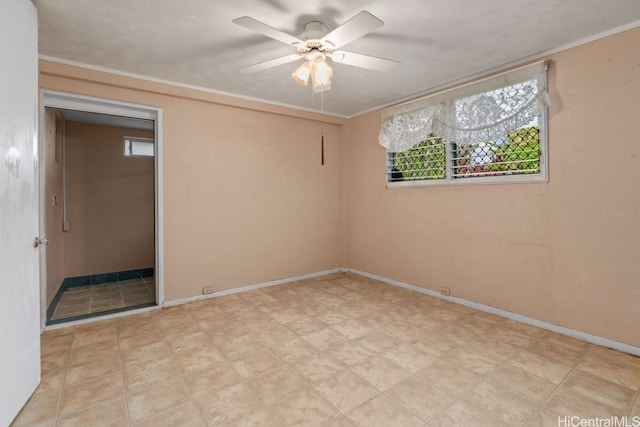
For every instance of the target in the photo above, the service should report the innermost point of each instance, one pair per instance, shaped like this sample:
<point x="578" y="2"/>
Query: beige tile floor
<point x="93" y="299"/>
<point x="341" y="350"/>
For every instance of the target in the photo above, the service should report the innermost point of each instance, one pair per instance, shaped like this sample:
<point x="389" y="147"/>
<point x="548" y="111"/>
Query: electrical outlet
<point x="208" y="290"/>
<point x="445" y="291"/>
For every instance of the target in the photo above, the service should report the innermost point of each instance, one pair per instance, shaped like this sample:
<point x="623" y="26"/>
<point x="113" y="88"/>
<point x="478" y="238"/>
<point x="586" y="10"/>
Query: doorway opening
<point x="100" y="207"/>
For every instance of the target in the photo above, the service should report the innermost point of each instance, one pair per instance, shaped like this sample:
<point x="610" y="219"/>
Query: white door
<point x="19" y="260"/>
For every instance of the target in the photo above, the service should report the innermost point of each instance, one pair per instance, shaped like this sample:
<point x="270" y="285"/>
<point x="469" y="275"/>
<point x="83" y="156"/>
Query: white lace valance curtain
<point x="474" y="113"/>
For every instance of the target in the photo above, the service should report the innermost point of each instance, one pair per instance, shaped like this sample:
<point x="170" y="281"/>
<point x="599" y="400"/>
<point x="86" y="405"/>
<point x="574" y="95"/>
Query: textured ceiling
<point x="194" y="42"/>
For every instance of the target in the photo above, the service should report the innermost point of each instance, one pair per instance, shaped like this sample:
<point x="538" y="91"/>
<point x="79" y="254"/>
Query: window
<point x="424" y="161"/>
<point x="138" y="147"/>
<point x="493" y="130"/>
<point x="517" y="154"/>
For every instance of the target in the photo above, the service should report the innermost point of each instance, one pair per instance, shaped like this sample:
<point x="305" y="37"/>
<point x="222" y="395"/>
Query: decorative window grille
<point x="425" y="160"/>
<point x="493" y="130"/>
<point x="138" y="147"/>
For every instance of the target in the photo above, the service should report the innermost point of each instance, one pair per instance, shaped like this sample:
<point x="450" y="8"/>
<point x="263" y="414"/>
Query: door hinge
<point x="38" y="241"/>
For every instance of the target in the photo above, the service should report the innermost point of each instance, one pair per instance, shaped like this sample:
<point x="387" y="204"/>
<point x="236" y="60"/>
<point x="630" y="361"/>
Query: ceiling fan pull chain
<point x="322" y="129"/>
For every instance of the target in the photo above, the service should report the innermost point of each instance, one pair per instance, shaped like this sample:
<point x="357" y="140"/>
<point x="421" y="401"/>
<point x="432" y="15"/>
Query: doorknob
<point x="38" y="241"/>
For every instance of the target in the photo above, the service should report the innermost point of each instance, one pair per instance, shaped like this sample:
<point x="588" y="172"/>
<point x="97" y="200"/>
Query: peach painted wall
<point x="246" y="200"/>
<point x="245" y="197"/>
<point x="566" y="251"/>
<point x="110" y="202"/>
<point x="53" y="187"/>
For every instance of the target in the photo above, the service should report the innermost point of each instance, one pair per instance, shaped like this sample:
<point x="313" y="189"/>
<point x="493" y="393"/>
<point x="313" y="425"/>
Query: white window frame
<point x="448" y="179"/>
<point x="130" y="141"/>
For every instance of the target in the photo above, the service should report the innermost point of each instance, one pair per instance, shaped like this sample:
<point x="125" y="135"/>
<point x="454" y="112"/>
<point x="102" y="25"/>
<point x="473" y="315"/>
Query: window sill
<point x="516" y="179"/>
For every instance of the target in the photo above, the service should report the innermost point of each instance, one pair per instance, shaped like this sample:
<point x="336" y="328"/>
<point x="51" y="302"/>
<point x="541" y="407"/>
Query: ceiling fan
<point x="315" y="45"/>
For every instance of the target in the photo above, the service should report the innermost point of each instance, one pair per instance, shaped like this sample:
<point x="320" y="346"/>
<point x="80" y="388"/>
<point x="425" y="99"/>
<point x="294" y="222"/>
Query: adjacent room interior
<point x="99" y="214"/>
<point x="312" y="276"/>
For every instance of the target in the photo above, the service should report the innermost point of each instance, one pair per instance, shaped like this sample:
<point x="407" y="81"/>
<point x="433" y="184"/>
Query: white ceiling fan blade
<point x="356" y="27"/>
<point x="262" y="28"/>
<point x="363" y="61"/>
<point x="271" y="63"/>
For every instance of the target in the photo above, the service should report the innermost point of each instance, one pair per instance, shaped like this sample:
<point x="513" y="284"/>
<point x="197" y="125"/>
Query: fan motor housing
<point x="314" y="31"/>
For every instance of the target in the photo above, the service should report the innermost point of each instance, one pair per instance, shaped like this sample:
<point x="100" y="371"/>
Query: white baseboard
<point x="251" y="287"/>
<point x="584" y="336"/>
<point x="190" y="299"/>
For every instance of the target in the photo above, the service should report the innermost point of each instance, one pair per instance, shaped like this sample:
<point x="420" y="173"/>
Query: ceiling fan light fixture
<point x="302" y="74"/>
<point x="317" y="68"/>
<point x="322" y="74"/>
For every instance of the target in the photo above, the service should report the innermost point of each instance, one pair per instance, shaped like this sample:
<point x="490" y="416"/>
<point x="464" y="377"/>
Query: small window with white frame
<point x="490" y="131"/>
<point x="138" y="147"/>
